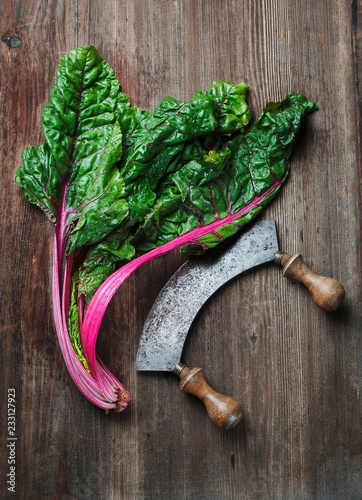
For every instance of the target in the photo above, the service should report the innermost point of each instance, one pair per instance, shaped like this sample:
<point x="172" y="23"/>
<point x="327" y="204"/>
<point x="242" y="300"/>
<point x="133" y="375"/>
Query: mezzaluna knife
<point x="169" y="320"/>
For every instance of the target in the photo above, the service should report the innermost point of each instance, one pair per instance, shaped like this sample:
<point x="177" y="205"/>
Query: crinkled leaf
<point x="232" y="111"/>
<point x="40" y="178"/>
<point x="76" y="170"/>
<point x="103" y="205"/>
<point x="240" y="179"/>
<point x="172" y="123"/>
<point x="152" y="146"/>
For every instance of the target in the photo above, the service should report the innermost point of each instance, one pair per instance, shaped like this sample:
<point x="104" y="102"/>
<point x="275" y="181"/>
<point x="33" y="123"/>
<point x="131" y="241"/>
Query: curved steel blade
<point x="185" y="293"/>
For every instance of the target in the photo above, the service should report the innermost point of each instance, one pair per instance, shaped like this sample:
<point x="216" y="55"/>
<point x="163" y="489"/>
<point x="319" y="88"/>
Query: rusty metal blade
<point x="170" y="318"/>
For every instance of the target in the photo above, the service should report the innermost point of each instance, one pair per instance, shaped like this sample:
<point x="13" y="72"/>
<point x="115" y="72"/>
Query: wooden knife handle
<point x="327" y="293"/>
<point x="224" y="412"/>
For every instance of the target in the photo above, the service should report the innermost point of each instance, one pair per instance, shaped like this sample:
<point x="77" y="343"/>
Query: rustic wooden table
<point x="294" y="367"/>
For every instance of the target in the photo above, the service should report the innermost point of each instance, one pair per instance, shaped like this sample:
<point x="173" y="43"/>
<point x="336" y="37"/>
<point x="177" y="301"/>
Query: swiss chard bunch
<point x="123" y="185"/>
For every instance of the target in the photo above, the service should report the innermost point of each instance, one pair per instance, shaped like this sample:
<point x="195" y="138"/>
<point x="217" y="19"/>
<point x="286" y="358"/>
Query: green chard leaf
<point x="155" y="147"/>
<point x="41" y="180"/>
<point x="232" y="112"/>
<point x="239" y="179"/>
<point x="84" y="142"/>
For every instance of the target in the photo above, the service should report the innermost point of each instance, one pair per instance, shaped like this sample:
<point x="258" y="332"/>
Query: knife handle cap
<point x="224" y="411"/>
<point x="327" y="293"/>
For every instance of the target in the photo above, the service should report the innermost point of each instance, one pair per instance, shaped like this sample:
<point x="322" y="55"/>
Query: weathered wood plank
<point x="295" y="368"/>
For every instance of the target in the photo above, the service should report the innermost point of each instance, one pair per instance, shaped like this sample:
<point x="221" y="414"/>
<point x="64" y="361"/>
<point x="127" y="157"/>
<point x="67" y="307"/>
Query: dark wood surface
<point x="295" y="368"/>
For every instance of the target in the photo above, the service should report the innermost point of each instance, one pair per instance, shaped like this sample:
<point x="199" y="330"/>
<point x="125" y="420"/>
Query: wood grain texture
<point x="295" y="368"/>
